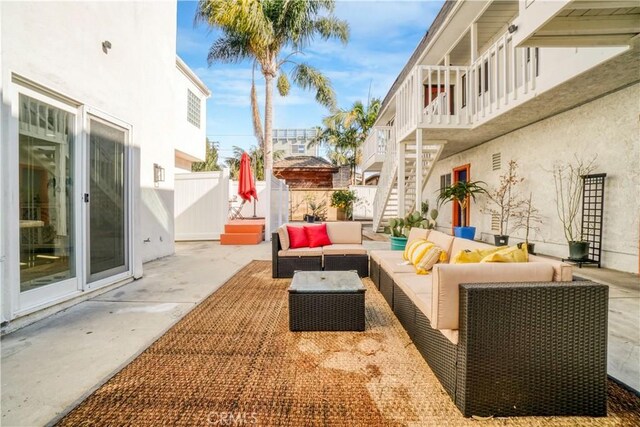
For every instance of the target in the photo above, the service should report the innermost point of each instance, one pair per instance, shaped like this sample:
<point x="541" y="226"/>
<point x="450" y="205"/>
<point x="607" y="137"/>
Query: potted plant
<point x="343" y="200"/>
<point x="399" y="229"/>
<point x="461" y="193"/>
<point x="318" y="211"/>
<point x="567" y="178"/>
<point x="527" y="218"/>
<point x="503" y="203"/>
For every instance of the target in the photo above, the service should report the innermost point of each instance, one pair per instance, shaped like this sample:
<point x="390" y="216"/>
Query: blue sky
<point x="383" y="36"/>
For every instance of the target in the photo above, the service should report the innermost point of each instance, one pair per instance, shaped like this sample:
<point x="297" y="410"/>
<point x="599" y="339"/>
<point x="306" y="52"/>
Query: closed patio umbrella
<point x="246" y="184"/>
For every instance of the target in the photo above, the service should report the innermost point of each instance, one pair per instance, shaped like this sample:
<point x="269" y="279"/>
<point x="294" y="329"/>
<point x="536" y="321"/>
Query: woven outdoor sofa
<point x="514" y="339"/>
<point x="345" y="253"/>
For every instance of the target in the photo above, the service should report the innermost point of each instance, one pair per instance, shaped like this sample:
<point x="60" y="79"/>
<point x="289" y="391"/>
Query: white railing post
<point x="419" y="171"/>
<point x="401" y="155"/>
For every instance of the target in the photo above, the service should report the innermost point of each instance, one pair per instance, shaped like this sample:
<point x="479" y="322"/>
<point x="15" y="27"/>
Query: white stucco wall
<point x="191" y="140"/>
<point x="607" y="127"/>
<point x="58" y="45"/>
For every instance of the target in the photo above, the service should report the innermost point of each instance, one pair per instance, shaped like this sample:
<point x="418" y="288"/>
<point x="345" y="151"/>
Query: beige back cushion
<point x="448" y="277"/>
<point x="462" y="244"/>
<point x="417" y="233"/>
<point x="441" y="240"/>
<point x="345" y="232"/>
<point x="562" y="272"/>
<point x="284" y="237"/>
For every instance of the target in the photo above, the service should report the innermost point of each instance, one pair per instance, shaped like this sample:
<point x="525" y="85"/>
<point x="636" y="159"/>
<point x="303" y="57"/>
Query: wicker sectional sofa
<point x="345" y="253"/>
<point x="503" y="339"/>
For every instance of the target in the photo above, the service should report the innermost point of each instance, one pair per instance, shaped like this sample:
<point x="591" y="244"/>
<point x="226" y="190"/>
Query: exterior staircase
<point x="386" y="204"/>
<point x="243" y="232"/>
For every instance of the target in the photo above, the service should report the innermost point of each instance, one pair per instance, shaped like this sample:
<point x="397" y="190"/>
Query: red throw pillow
<point x="317" y="235"/>
<point x="297" y="237"/>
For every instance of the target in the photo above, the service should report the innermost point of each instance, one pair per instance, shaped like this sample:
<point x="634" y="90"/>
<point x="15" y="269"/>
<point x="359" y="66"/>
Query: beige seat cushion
<point x="441" y="240"/>
<point x="448" y="277"/>
<point x="396" y="265"/>
<point x="417" y="233"/>
<point x="344" y="249"/>
<point x="379" y="254"/>
<point x="418" y="289"/>
<point x="301" y="252"/>
<point x="283" y="234"/>
<point x="345" y="232"/>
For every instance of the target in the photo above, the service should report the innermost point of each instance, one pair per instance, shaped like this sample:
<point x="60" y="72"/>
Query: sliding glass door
<point x="107" y="200"/>
<point x="46" y="200"/>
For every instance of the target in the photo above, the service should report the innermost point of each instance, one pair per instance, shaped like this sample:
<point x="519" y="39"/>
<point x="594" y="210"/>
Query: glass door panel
<point x="46" y="187"/>
<point x="108" y="225"/>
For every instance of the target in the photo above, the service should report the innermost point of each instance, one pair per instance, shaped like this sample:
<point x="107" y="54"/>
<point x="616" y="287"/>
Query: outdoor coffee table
<point x="326" y="301"/>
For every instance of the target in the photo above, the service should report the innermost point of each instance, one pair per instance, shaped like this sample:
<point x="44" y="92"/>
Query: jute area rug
<point x="232" y="361"/>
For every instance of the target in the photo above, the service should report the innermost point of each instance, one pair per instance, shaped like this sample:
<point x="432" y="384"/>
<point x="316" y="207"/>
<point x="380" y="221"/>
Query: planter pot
<point x="341" y="215"/>
<point x="578" y="250"/>
<point x="398" y="243"/>
<point x="310" y="218"/>
<point x="464" y="232"/>
<point x="501" y="239"/>
<point x="530" y="247"/>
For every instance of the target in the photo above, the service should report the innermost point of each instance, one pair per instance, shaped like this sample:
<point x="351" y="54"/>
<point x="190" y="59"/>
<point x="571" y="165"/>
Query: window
<point x="463" y="83"/>
<point x="297" y="148"/>
<point x="193" y="109"/>
<point x="496" y="161"/>
<point x="445" y="180"/>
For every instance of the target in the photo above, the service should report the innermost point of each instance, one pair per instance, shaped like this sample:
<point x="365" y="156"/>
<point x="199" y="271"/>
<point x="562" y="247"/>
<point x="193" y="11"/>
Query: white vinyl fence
<point x="279" y="203"/>
<point x="261" y="204"/>
<point x="363" y="207"/>
<point x="201" y="204"/>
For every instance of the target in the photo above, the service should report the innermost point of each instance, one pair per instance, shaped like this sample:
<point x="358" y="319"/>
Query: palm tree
<point x="260" y="30"/>
<point x="257" y="161"/>
<point x="345" y="131"/>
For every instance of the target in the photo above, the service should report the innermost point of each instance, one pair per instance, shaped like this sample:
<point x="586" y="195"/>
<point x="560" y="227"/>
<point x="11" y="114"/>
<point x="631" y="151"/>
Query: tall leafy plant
<point x="461" y="193"/>
<point x="261" y="31"/>
<point x="503" y="200"/>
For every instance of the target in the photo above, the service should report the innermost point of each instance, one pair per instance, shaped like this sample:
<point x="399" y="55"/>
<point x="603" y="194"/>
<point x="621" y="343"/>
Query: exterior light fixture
<point x="106" y="45"/>
<point x="158" y="173"/>
<point x="512" y="28"/>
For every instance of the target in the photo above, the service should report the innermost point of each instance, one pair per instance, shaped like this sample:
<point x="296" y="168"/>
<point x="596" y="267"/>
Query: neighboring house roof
<point x="188" y="72"/>
<point x="433" y="29"/>
<point x="305" y="163"/>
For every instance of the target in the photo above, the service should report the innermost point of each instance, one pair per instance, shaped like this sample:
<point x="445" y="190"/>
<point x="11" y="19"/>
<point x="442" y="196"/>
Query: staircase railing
<point x="386" y="182"/>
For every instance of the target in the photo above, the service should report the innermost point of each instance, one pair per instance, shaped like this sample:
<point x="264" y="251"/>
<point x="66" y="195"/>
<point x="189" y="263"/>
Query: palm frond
<point x="308" y="77"/>
<point x="283" y="85"/>
<point x="255" y="112"/>
<point x="230" y="48"/>
<point x="331" y="27"/>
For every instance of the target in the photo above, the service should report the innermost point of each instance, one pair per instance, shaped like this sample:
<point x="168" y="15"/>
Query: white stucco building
<point x="97" y="114"/>
<point x="295" y="142"/>
<point x="533" y="81"/>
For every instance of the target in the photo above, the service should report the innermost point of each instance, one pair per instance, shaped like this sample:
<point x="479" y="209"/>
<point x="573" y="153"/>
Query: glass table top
<point x="326" y="281"/>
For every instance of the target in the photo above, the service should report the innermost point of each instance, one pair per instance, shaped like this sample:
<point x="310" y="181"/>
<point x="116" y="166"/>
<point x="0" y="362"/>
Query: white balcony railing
<point x="375" y="146"/>
<point x="456" y="96"/>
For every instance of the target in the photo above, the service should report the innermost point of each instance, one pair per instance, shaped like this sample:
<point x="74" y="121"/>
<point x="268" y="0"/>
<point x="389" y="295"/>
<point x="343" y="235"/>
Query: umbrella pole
<point x="254" y="207"/>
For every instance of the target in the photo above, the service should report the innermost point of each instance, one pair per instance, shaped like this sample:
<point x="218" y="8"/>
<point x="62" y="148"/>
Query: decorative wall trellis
<point x="592" y="217"/>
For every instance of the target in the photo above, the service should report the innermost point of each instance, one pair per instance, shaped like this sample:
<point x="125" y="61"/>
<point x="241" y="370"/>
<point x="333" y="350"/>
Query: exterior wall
<point x="284" y="138"/>
<point x="135" y="81"/>
<point x="607" y="127"/>
<point x="191" y="140"/>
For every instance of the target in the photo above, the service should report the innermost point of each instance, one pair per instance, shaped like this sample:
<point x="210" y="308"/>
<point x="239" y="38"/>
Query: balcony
<point x="375" y="146"/>
<point x="464" y="97"/>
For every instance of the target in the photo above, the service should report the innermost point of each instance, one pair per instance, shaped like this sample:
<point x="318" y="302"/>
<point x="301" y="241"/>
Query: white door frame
<point x="108" y="119"/>
<point x="14" y="302"/>
<point x="33" y="300"/>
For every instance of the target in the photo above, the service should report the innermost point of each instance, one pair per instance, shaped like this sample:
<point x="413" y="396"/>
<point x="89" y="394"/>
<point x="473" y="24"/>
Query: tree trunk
<point x="268" y="123"/>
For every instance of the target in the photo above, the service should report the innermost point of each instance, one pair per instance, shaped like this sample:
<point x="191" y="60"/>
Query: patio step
<point x="241" y="238"/>
<point x="243" y="228"/>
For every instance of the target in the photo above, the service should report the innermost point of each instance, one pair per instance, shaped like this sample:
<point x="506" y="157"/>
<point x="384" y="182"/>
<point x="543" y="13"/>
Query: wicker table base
<point x="326" y="301"/>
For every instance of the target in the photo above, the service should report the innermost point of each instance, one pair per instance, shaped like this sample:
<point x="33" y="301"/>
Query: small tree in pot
<point x="461" y="193"/>
<point x="527" y="218"/>
<point x="567" y="178"/>
<point x="399" y="228"/>
<point x="343" y="200"/>
<point x="503" y="202"/>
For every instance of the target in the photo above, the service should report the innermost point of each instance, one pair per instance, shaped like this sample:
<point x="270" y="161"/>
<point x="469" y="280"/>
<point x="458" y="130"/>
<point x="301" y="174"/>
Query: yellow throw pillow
<point x="408" y="250"/>
<point x="467" y="256"/>
<point x="432" y="256"/>
<point x="509" y="254"/>
<point x="419" y="252"/>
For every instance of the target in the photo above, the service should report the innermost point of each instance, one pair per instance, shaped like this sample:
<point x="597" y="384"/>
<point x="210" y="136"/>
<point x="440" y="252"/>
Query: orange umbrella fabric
<point x="246" y="184"/>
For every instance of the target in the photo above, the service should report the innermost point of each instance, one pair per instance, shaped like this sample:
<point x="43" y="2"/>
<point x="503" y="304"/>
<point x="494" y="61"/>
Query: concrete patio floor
<point x="54" y="363"/>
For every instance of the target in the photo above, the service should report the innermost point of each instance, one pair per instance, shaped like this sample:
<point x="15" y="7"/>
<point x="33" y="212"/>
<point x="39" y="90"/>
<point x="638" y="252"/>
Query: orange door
<point x="461" y="173"/>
